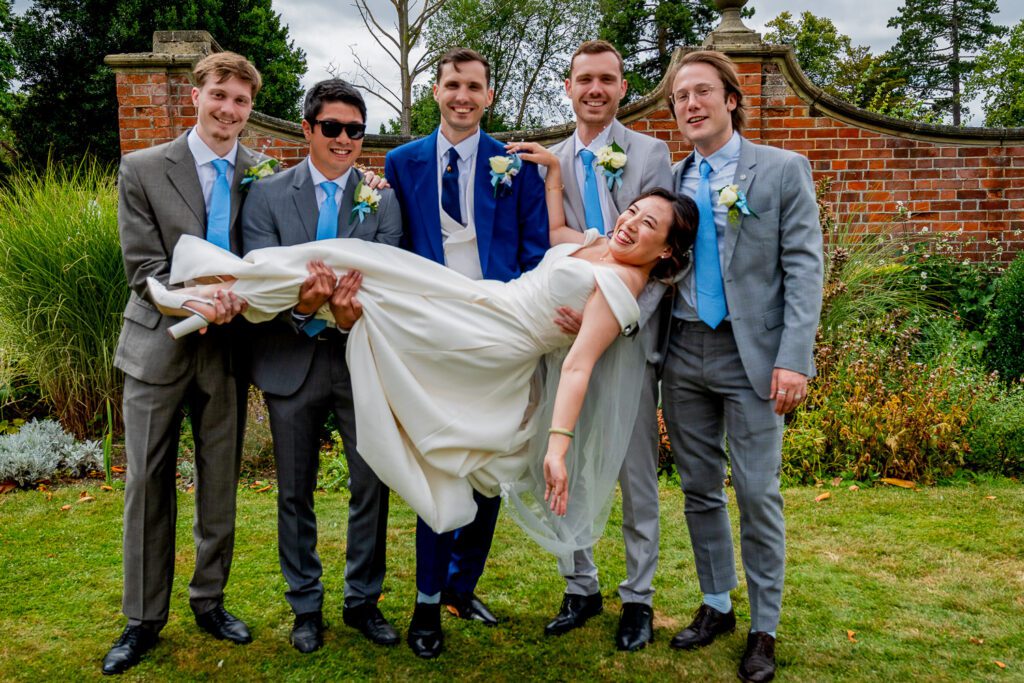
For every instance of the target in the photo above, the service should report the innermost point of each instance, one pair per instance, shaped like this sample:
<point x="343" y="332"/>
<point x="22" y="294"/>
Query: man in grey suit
<point x="740" y="349"/>
<point x="300" y="364"/>
<point x="596" y="86"/>
<point x="190" y="186"/>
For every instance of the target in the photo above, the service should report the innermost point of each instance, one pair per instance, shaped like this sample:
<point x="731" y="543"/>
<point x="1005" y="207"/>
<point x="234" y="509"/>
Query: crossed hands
<point x="322" y="286"/>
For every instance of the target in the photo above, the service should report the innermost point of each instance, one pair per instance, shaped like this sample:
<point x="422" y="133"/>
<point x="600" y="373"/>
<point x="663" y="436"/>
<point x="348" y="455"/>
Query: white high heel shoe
<point x="174" y="304"/>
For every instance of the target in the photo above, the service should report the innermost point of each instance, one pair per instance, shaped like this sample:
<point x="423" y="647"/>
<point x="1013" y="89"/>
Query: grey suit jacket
<point x="773" y="263"/>
<point x="647" y="167"/>
<point x="281" y="211"/>
<point x="160" y="199"/>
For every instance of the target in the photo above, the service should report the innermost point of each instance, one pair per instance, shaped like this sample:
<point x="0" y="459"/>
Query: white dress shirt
<point x="204" y="157"/>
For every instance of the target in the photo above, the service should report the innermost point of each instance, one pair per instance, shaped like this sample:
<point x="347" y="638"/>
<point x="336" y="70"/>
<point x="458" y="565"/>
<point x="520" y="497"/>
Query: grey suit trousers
<point x="296" y="422"/>
<point x="152" y="415"/>
<point x="707" y="397"/>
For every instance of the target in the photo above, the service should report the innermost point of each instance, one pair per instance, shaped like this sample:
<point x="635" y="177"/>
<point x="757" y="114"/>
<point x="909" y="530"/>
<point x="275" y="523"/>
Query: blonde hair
<point x="224" y="65"/>
<point x="726" y="69"/>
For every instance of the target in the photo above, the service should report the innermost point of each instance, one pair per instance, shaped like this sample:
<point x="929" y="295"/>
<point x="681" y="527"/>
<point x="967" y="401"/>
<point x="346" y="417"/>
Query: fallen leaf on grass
<point x="264" y="489"/>
<point x="902" y="483"/>
<point x="837" y="481"/>
<point x="1000" y="664"/>
<point x="824" y="496"/>
<point x="854" y="487"/>
<point x="191" y="488"/>
<point x="850" y="635"/>
<point x="990" y="497"/>
<point x="7" y="487"/>
<point x="976" y="641"/>
<point x="84" y="497"/>
<point x="65" y="508"/>
<point x="119" y="470"/>
<point x="106" y="488"/>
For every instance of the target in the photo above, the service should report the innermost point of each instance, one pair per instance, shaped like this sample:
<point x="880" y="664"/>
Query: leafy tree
<point x="528" y="44"/>
<point x="999" y="78"/>
<point x="936" y="45"/>
<point x="8" y="99"/>
<point x="61" y="45"/>
<point x="424" y="116"/>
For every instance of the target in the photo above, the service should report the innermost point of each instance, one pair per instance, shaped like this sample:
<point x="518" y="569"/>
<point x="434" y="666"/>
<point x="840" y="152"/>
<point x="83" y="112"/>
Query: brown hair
<point x="224" y="65"/>
<point x="596" y="47"/>
<point x="681" y="232"/>
<point x="463" y="55"/>
<point x="726" y="71"/>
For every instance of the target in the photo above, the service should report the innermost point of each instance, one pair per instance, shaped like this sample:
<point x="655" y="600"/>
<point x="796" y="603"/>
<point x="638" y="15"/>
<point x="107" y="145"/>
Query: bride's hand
<point x="374" y="181"/>
<point x="556" y="493"/>
<point x="531" y="151"/>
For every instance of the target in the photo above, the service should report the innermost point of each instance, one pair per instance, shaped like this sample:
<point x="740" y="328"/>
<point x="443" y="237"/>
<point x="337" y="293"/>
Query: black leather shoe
<point x="707" y="625"/>
<point x="223" y="625"/>
<point x="134" y="642"/>
<point x="308" y="632"/>
<point x="468" y="606"/>
<point x="425" y="636"/>
<point x="758" y="663"/>
<point x="575" y="611"/>
<point x="371" y="623"/>
<point x="636" y="627"/>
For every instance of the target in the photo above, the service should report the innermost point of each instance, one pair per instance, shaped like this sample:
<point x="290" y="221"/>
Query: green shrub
<point x="1005" y="353"/>
<point x="40" y="449"/>
<point x="997" y="437"/>
<point x="333" y="475"/>
<point x="63" y="289"/>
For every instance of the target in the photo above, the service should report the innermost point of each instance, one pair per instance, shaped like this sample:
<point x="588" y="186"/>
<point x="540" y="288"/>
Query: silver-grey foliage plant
<point x="42" y="448"/>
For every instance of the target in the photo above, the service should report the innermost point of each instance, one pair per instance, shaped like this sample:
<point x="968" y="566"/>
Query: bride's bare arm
<point x="558" y="231"/>
<point x="598" y="331"/>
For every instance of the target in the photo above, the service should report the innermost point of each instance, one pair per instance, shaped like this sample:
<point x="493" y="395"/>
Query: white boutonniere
<point x="503" y="169"/>
<point x="732" y="196"/>
<point x="367" y="201"/>
<point x="612" y="160"/>
<point x="260" y="170"/>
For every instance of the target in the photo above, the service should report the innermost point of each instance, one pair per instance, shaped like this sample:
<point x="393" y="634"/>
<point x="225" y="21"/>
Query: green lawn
<point x="915" y="575"/>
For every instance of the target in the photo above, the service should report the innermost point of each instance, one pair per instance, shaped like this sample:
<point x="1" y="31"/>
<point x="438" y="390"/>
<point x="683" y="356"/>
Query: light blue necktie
<point x="711" y="306"/>
<point x="591" y="195"/>
<point x="326" y="228"/>
<point x="218" y="222"/>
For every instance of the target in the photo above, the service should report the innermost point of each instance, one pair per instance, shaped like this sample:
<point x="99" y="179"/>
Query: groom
<point x="299" y="363"/>
<point x="740" y="349"/>
<point x="453" y="215"/>
<point x="190" y="186"/>
<point x="596" y="86"/>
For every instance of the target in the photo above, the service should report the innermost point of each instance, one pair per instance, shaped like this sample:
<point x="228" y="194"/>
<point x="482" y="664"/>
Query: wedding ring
<point x="780" y="392"/>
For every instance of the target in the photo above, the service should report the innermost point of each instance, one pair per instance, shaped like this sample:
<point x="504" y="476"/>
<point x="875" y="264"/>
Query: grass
<point x="914" y="574"/>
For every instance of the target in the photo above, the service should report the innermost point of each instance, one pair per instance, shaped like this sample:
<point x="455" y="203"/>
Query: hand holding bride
<point x="316" y="289"/>
<point x="345" y="307"/>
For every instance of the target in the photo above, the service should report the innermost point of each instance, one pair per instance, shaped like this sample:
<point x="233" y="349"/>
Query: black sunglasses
<point x="332" y="129"/>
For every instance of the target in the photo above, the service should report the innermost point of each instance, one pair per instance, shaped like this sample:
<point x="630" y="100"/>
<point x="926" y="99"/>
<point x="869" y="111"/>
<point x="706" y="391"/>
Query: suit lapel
<point x="484" y="201"/>
<point x="304" y="198"/>
<point x="346" y="226"/>
<point x="745" y="172"/>
<point x="183" y="176"/>
<point x="573" y="198"/>
<point x="620" y="136"/>
<point x="244" y="159"/>
<point x="423" y="168"/>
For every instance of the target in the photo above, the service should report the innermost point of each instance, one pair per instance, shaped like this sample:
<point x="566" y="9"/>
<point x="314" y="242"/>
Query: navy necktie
<point x="218" y="222"/>
<point x="711" y="306"/>
<point x="591" y="194"/>
<point x="450" y="200"/>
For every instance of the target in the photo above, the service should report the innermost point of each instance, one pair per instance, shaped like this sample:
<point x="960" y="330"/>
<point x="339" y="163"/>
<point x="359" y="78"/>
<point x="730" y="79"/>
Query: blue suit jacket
<point x="511" y="230"/>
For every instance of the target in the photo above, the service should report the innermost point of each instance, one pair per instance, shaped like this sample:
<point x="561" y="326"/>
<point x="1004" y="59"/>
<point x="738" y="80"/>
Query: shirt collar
<point x="319" y="177"/>
<point x="203" y="154"/>
<point x="597" y="143"/>
<point x="729" y="153"/>
<point x="466" y="149"/>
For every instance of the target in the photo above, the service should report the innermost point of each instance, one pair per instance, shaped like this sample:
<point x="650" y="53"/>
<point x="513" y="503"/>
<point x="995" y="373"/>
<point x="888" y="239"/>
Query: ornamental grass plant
<point x="63" y="290"/>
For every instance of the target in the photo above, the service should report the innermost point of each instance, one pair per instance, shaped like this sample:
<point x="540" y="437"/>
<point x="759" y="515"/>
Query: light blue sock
<point x="771" y="633"/>
<point x="720" y="602"/>
<point x="425" y="599"/>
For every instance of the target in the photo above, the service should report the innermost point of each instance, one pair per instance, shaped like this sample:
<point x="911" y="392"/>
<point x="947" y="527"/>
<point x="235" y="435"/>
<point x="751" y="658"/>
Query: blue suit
<point x="512" y="236"/>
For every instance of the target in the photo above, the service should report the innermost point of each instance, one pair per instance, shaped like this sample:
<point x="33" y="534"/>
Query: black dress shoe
<point x="371" y="623"/>
<point x="223" y="625"/>
<point x="636" y="627"/>
<point x="468" y="606"/>
<point x="425" y="636"/>
<point x="575" y="611"/>
<point x="134" y="642"/>
<point x="308" y="632"/>
<point x="758" y="663"/>
<point x="707" y="625"/>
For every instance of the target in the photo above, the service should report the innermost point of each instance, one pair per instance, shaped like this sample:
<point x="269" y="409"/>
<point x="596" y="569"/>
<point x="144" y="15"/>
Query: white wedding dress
<point x="449" y="387"/>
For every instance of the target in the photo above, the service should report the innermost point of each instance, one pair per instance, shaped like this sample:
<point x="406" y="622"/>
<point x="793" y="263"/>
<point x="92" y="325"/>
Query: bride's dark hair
<point x="681" y="232"/>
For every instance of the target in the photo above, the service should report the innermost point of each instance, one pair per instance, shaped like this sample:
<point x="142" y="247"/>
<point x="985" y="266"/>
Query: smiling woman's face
<point x="641" y="232"/>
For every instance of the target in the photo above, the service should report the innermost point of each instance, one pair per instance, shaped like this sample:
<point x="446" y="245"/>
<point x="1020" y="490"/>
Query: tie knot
<point x="453" y="156"/>
<point x="705" y="168"/>
<point x="587" y="157"/>
<point x="329" y="188"/>
<point x="221" y="165"/>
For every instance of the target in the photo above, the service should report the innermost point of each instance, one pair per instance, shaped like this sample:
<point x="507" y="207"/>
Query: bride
<point x="462" y="384"/>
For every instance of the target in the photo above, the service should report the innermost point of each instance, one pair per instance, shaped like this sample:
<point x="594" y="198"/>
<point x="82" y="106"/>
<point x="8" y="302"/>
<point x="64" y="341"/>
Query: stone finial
<point x="184" y="43"/>
<point x="732" y="33"/>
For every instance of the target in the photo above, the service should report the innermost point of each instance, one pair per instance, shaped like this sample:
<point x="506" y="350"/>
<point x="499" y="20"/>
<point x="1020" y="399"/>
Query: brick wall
<point x="948" y="179"/>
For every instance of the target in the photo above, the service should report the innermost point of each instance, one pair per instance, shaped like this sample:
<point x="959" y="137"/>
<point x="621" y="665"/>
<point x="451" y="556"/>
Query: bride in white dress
<point x="463" y="384"/>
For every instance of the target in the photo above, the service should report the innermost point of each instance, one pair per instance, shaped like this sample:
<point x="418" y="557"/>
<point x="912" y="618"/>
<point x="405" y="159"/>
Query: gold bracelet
<point x="552" y="188"/>
<point x="563" y="432"/>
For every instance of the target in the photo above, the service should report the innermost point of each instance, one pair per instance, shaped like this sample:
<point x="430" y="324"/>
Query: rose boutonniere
<point x="612" y="160"/>
<point x="503" y="169"/>
<point x="260" y="170"/>
<point x="732" y="196"/>
<point x="367" y="201"/>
